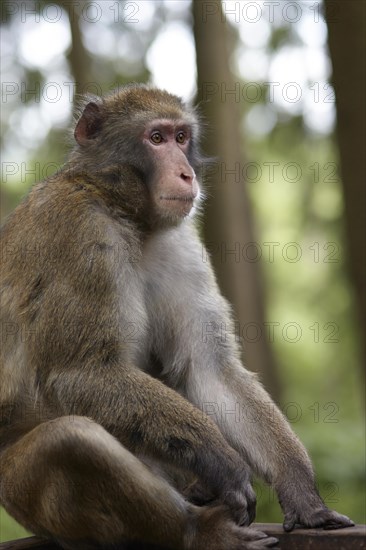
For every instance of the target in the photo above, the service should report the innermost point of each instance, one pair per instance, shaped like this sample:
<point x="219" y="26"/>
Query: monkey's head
<point x="152" y="132"/>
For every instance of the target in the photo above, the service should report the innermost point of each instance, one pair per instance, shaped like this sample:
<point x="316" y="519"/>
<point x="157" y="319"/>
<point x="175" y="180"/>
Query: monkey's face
<point x="153" y="132"/>
<point x="172" y="182"/>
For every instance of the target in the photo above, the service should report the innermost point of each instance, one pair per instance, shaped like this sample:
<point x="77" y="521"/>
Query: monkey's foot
<point x="258" y="540"/>
<point x="217" y="531"/>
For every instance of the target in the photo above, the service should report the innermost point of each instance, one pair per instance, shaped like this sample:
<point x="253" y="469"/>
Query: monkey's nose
<point x="188" y="178"/>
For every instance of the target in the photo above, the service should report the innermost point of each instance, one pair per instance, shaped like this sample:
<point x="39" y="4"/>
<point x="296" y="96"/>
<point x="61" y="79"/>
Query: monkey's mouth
<point x="186" y="198"/>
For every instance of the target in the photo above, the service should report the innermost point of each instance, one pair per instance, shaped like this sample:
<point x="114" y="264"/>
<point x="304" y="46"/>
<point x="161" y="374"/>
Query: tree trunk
<point x="228" y="225"/>
<point x="78" y="56"/>
<point x="346" y="37"/>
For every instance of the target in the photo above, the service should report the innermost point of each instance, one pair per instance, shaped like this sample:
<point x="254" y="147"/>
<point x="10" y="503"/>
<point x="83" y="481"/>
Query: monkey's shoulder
<point x="64" y="230"/>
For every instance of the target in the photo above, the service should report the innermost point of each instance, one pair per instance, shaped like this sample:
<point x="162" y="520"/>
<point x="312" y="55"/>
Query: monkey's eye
<point x="181" y="137"/>
<point x="156" y="137"/>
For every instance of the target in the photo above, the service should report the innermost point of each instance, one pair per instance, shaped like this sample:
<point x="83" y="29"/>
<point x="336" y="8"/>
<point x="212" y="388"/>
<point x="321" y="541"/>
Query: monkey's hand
<point x="239" y="496"/>
<point x="242" y="503"/>
<point x="199" y="494"/>
<point x="318" y="517"/>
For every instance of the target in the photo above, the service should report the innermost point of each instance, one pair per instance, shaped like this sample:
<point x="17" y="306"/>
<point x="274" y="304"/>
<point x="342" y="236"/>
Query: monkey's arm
<point x="255" y="427"/>
<point x="152" y="419"/>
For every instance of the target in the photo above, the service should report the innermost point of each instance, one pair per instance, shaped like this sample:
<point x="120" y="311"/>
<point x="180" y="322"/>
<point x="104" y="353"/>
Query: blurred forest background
<point x="281" y="87"/>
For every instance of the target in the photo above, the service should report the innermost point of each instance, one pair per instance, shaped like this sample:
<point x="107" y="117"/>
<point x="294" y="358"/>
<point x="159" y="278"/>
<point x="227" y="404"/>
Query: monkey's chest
<point x="161" y="347"/>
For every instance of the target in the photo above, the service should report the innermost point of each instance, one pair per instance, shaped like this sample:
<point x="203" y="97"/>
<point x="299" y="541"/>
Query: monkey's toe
<point x="337" y="521"/>
<point x="263" y="542"/>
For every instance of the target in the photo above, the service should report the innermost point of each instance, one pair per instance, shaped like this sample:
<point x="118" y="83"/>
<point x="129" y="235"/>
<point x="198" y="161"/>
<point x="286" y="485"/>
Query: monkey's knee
<point x="70" y="479"/>
<point x="64" y="437"/>
<point x="56" y="476"/>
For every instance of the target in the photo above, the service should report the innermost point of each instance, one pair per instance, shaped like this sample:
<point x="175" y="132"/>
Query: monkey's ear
<point x="89" y="124"/>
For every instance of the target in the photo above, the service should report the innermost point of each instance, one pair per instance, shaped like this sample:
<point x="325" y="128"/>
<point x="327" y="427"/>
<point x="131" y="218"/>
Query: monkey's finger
<point x="271" y="541"/>
<point x="326" y="519"/>
<point x="268" y="542"/>
<point x="238" y="505"/>
<point x="244" y="506"/>
<point x="251" y="504"/>
<point x="244" y="516"/>
<point x="241" y="517"/>
<point x="290" y="521"/>
<point x="337" y="521"/>
<point x="254" y="534"/>
<point x="254" y="538"/>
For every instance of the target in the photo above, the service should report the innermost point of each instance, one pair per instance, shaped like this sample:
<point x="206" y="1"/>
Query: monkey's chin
<point x="177" y="206"/>
<point x="170" y="212"/>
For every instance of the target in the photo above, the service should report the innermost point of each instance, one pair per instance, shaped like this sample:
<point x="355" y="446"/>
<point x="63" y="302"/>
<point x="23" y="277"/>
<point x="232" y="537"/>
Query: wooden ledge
<point x="352" y="538"/>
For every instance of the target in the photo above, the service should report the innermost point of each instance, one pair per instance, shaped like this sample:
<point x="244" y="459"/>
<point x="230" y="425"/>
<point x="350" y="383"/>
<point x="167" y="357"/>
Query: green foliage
<point x="311" y="306"/>
<point x="9" y="528"/>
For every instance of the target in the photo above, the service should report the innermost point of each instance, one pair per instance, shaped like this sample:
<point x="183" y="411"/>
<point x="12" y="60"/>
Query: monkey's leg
<point x="256" y="428"/>
<point x="71" y="480"/>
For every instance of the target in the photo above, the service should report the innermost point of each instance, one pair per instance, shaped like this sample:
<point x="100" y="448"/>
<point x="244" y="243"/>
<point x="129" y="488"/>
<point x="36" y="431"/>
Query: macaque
<point x="111" y="350"/>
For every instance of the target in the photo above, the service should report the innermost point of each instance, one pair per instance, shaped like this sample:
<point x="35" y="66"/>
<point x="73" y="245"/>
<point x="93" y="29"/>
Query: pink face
<point x="174" y="186"/>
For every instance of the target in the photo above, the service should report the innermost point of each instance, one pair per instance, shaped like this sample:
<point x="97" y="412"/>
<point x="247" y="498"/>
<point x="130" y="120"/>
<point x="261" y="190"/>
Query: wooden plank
<point x="30" y="542"/>
<point x="352" y="538"/>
